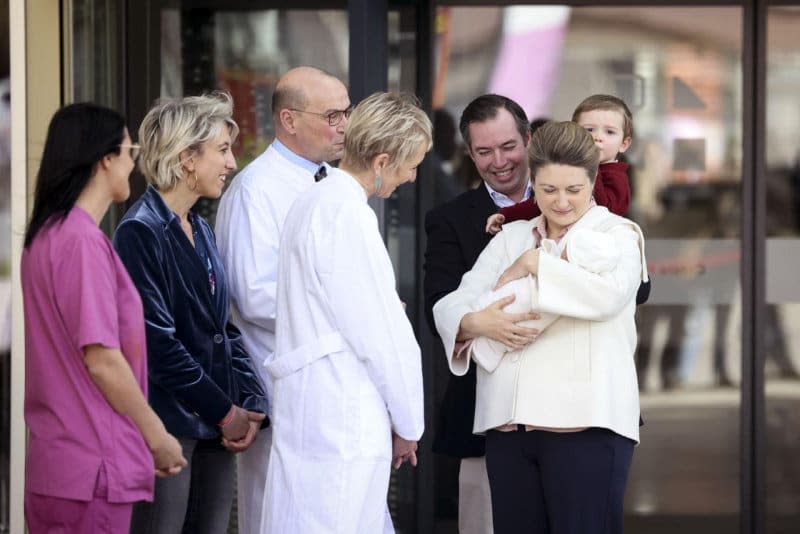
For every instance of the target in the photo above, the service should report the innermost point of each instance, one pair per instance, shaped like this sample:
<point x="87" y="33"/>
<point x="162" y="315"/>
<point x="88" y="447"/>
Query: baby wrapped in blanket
<point x="588" y="249"/>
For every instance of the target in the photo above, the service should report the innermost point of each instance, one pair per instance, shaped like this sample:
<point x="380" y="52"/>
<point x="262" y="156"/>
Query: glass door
<point x="782" y="311"/>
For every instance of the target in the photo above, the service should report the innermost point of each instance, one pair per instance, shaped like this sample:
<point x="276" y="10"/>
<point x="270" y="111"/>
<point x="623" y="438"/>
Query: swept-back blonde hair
<point x="385" y="123"/>
<point x="176" y="125"/>
<point x="563" y="143"/>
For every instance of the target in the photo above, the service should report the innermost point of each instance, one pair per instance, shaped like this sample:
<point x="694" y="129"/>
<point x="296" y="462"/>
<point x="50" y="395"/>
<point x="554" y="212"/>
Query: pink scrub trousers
<point x="54" y="515"/>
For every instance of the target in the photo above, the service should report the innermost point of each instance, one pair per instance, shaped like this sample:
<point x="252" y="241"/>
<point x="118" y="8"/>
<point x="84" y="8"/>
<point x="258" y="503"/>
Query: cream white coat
<point x="347" y="371"/>
<point x="580" y="371"/>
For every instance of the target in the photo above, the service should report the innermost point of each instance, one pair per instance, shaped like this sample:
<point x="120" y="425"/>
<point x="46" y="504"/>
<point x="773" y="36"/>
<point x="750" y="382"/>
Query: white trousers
<point x="251" y="479"/>
<point x="474" y="497"/>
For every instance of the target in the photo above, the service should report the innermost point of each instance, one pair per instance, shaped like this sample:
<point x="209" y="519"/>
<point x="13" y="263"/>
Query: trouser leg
<point x="518" y="505"/>
<point x="251" y="480"/>
<point x="474" y="497"/>
<point x="167" y="512"/>
<point x="583" y="477"/>
<point x="211" y="493"/>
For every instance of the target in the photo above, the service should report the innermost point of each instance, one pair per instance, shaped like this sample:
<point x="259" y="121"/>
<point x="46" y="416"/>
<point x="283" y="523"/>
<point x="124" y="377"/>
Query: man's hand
<point x="403" y="450"/>
<point x="494" y="323"/>
<point x="527" y="263"/>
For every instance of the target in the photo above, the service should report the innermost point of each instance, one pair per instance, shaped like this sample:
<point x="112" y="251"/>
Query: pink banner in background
<point x="529" y="61"/>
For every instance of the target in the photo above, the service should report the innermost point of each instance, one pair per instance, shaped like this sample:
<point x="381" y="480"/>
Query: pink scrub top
<point x="76" y="292"/>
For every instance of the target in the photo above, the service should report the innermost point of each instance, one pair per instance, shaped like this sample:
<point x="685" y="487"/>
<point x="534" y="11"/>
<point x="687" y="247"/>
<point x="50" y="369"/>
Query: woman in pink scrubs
<point x="95" y="443"/>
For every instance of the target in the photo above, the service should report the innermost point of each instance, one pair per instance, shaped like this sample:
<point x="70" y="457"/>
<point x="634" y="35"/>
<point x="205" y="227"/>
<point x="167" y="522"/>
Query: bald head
<point x="292" y="88"/>
<point x="303" y="99"/>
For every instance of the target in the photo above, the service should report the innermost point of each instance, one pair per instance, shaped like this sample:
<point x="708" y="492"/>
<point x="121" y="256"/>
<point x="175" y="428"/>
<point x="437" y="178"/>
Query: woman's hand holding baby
<point x="494" y="323"/>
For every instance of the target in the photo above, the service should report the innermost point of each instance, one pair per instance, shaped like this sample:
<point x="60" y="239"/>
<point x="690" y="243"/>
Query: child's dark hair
<point x="607" y="103"/>
<point x="78" y="137"/>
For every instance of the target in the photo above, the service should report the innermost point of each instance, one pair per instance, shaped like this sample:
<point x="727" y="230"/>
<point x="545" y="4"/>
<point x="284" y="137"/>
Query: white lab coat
<point x="347" y="371"/>
<point x="248" y="228"/>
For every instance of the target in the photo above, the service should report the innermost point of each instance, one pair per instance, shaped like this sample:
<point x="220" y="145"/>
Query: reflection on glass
<point x="95" y="51"/>
<point x="93" y="64"/>
<point x="679" y="70"/>
<point x="249" y="51"/>
<point x="400" y="232"/>
<point x="5" y="298"/>
<point x="245" y="53"/>
<point x="782" y="320"/>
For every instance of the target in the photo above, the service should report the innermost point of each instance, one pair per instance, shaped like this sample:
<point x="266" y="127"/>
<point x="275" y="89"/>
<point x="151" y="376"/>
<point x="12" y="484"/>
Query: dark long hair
<point x="79" y="136"/>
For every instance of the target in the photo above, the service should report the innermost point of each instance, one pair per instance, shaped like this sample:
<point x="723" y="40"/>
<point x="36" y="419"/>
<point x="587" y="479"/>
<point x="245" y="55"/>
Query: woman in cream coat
<point x="560" y="414"/>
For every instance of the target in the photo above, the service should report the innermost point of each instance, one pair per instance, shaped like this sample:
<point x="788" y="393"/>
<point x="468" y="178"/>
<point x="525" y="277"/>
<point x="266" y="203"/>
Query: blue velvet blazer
<point x="197" y="365"/>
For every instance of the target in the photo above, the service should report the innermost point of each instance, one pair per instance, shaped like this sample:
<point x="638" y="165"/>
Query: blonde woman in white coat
<point x="347" y="375"/>
<point x="561" y="413"/>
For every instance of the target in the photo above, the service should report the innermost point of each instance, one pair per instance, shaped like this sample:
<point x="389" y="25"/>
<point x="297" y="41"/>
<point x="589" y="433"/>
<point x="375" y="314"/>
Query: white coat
<point x="580" y="371"/>
<point x="590" y="250"/>
<point x="347" y="372"/>
<point x="249" y="223"/>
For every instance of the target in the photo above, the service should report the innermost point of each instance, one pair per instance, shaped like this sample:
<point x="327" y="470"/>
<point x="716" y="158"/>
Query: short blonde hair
<point x="173" y="126"/>
<point x="385" y="123"/>
<point x="563" y="143"/>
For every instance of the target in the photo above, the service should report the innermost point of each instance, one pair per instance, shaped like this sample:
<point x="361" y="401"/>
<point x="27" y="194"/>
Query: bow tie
<point x="321" y="173"/>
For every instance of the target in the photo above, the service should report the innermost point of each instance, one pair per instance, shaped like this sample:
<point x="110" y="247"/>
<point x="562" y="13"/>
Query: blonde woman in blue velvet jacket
<point x="201" y="381"/>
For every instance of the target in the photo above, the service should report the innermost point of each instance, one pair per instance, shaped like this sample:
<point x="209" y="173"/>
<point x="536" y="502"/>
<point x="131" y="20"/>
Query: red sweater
<point x="611" y="189"/>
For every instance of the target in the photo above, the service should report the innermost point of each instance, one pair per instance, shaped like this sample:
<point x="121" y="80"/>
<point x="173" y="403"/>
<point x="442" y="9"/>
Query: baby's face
<point x="606" y="127"/>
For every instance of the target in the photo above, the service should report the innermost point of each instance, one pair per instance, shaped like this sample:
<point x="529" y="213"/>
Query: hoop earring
<point x="192" y="188"/>
<point x="377" y="182"/>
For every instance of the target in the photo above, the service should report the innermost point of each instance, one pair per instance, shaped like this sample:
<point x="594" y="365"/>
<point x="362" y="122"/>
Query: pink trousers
<point x="54" y="515"/>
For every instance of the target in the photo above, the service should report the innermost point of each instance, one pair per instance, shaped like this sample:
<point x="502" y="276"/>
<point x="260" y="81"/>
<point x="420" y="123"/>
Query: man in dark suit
<point x="496" y="133"/>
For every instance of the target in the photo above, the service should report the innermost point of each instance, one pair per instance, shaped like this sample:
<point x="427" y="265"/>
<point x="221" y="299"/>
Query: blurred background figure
<point x="445" y="147"/>
<point x="538" y="123"/>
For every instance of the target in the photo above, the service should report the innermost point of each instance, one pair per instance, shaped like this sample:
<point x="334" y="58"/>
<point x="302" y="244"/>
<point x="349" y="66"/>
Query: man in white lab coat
<point x="347" y="373"/>
<point x="310" y="109"/>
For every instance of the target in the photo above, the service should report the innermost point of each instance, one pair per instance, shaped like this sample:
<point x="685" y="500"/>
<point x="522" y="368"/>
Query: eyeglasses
<point x="133" y="150"/>
<point x="333" y="117"/>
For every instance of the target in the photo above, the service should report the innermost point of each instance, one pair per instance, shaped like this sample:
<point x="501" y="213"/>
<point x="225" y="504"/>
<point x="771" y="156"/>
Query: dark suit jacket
<point x="456" y="237"/>
<point x="197" y="365"/>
